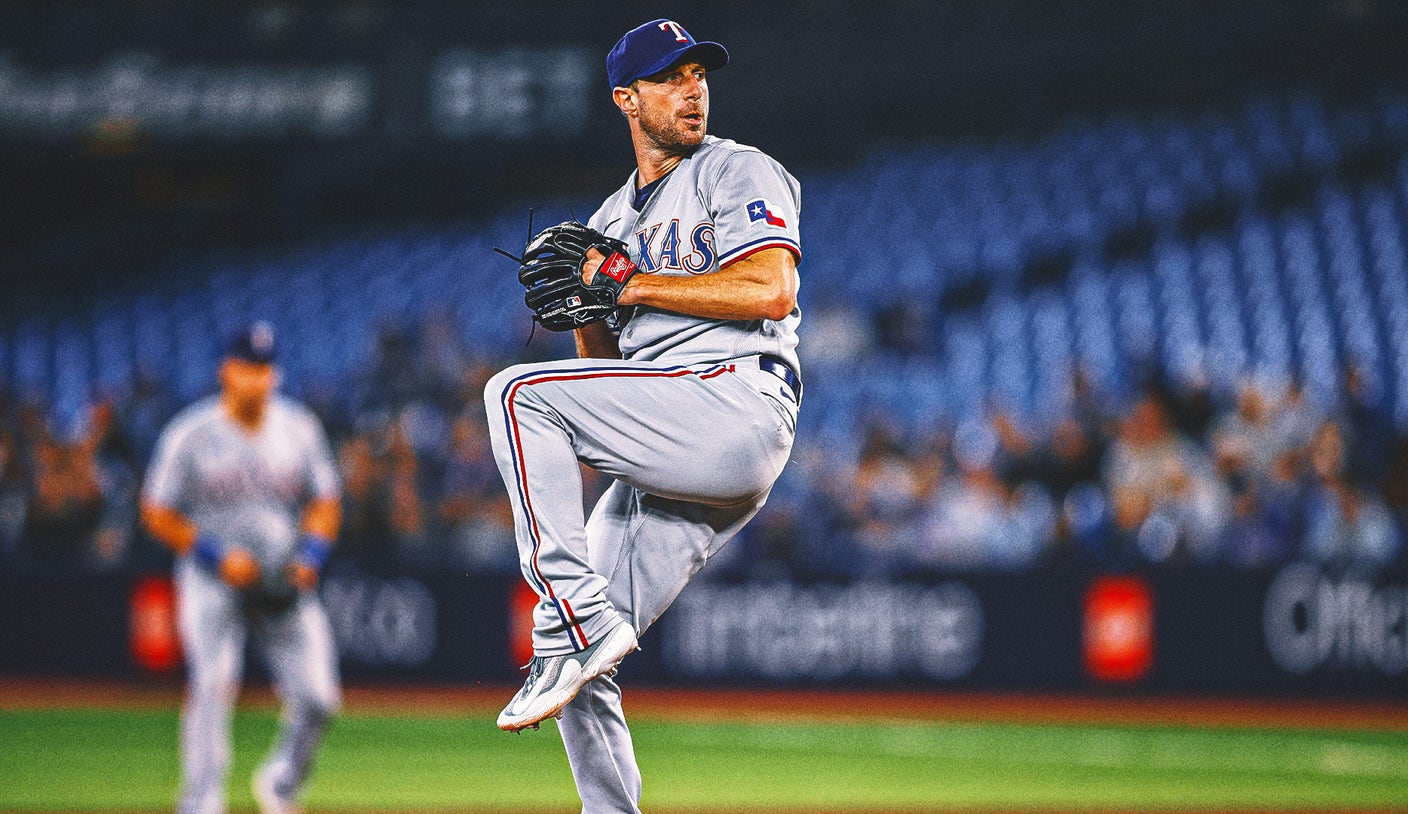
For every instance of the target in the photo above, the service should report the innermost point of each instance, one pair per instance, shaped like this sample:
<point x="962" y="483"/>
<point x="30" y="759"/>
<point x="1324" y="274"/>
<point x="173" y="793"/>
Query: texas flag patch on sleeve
<point x="763" y="210"/>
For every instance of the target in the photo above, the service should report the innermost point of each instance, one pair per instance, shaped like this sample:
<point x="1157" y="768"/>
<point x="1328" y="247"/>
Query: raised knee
<point x="502" y="385"/>
<point x="494" y="388"/>
<point x="494" y="391"/>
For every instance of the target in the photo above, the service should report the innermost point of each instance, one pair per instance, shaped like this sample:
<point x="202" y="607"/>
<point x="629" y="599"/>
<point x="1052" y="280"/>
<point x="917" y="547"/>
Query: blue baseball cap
<point x="655" y="46"/>
<point x="253" y="343"/>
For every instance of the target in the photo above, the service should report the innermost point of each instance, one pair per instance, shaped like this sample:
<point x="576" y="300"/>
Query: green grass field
<point x="125" y="759"/>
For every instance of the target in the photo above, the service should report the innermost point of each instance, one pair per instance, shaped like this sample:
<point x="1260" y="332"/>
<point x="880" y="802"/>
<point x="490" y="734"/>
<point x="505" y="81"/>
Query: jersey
<point x="241" y="488"/>
<point x="722" y="203"/>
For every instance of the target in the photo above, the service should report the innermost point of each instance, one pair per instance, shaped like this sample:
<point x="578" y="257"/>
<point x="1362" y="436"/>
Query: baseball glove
<point x="551" y="273"/>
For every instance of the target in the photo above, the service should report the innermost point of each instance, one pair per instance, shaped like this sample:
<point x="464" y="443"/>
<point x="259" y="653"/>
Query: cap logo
<point x="671" y="25"/>
<point x="652" y="47"/>
<point x="261" y="337"/>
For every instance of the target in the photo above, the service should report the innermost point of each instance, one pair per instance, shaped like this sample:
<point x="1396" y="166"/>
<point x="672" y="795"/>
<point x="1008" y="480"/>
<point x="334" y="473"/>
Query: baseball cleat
<point x="553" y="681"/>
<point x="268" y="798"/>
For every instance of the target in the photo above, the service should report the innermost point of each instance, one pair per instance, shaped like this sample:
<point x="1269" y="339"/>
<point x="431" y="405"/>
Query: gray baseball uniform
<point x="247" y="490"/>
<point x="689" y="425"/>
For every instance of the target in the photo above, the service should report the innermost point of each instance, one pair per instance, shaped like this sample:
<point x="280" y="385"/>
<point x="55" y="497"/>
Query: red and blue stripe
<point x="520" y="471"/>
<point x="754" y="246"/>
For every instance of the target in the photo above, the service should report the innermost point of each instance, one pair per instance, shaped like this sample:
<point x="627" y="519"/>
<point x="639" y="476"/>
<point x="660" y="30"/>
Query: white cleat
<point x="268" y="799"/>
<point x="553" y="681"/>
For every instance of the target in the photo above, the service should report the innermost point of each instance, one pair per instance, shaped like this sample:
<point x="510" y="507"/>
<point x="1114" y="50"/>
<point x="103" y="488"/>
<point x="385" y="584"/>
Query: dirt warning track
<point x="788" y="704"/>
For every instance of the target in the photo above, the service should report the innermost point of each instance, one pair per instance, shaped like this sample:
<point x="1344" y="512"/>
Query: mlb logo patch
<point x="766" y="211"/>
<point x="573" y="302"/>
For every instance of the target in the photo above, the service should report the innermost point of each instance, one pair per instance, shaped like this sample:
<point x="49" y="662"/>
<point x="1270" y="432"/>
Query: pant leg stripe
<point x="520" y="470"/>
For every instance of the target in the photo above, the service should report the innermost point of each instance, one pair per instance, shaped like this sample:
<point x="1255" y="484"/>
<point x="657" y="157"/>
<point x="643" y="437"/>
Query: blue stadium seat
<point x="1297" y="292"/>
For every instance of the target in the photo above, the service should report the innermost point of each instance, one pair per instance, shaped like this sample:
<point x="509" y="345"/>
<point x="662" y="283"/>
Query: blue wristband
<point x="208" y="552"/>
<point x="313" y="551"/>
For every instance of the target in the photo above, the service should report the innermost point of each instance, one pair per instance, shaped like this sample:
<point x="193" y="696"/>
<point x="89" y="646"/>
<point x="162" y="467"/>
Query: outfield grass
<point x="125" y="759"/>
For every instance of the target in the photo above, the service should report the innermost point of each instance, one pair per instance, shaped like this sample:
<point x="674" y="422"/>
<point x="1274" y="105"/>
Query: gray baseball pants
<point x="694" y="452"/>
<point x="296" y="643"/>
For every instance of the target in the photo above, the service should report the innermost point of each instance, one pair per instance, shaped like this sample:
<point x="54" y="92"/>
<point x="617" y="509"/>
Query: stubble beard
<point x="668" y="133"/>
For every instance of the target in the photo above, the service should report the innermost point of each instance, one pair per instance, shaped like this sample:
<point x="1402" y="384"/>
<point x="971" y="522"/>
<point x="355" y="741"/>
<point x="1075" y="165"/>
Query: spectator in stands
<point x="975" y="518"/>
<point x="324" y="395"/>
<point x="1294" y="419"/>
<point x="442" y="359"/>
<point x="14" y="499"/>
<point x="1282" y="494"/>
<point x="1017" y="457"/>
<point x="817" y="538"/>
<point x="1090" y="408"/>
<point x="885" y="497"/>
<point x="1346" y="523"/>
<point x="1026" y="525"/>
<point x="1244" y="441"/>
<point x="406" y="508"/>
<point x="1370" y="428"/>
<point x="116" y="470"/>
<point x="1069" y="469"/>
<point x="1349" y="526"/>
<point x="67" y="501"/>
<point x="1187" y="401"/>
<point x="1326" y="453"/>
<point x="1261" y="453"/>
<point x="392" y="378"/>
<point x="472" y="381"/>
<point x="425" y="429"/>
<point x="1395" y="489"/>
<point x="1153" y="472"/>
<point x="472" y="503"/>
<point x="837" y="334"/>
<point x="367" y="539"/>
<point x="145" y="412"/>
<point x="963" y="519"/>
<point x="770" y="548"/>
<point x="1250" y="539"/>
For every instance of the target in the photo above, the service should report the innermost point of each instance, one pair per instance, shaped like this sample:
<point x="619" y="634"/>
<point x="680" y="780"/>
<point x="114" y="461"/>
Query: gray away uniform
<point x="247" y="490"/>
<point x="693" y="431"/>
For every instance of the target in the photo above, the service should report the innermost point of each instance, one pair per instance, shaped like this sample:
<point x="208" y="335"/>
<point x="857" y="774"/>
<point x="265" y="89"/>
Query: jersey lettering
<point x="670" y="246"/>
<point x="702" y="258"/>
<point x="671" y="25"/>
<point x="699" y="259"/>
<point x="644" y="238"/>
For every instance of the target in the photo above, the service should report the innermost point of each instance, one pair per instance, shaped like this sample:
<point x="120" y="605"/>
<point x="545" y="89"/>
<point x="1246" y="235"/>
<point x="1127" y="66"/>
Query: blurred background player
<point x="243" y="488"/>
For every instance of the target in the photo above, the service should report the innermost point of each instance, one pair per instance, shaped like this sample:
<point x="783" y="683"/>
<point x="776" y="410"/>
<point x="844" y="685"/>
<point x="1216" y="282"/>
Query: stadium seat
<point x="1302" y="289"/>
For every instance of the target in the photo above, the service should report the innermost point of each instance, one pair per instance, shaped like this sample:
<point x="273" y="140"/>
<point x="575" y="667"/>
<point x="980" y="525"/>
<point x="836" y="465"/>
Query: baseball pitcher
<point x="682" y="292"/>
<point x="242" y="486"/>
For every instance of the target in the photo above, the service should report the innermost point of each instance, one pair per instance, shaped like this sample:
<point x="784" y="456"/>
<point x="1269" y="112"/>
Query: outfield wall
<point x="1299" y="631"/>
